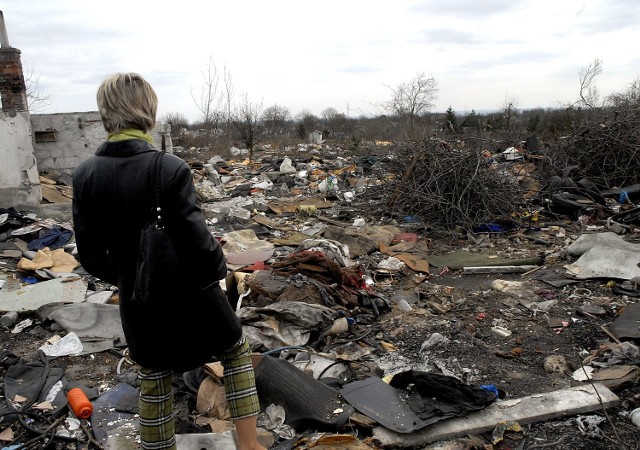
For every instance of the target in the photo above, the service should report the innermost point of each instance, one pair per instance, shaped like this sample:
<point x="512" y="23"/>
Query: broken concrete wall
<point x="19" y="182"/>
<point x="65" y="140"/>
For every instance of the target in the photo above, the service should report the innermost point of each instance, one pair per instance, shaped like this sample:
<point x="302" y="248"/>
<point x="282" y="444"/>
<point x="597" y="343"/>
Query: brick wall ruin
<point x="12" y="87"/>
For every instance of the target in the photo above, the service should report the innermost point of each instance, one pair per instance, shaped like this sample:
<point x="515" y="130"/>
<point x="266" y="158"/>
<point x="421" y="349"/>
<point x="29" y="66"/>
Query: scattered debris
<point x="360" y="280"/>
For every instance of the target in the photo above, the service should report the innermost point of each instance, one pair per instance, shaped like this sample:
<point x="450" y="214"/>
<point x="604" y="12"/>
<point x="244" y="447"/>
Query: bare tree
<point x="335" y="122"/>
<point x="228" y="93"/>
<point x="246" y="121"/>
<point x="275" y="118"/>
<point x="509" y="110"/>
<point x="630" y="97"/>
<point x="306" y="122"/>
<point x="328" y="114"/>
<point x="37" y="100"/>
<point x="177" y="120"/>
<point x="209" y="102"/>
<point x="412" y="99"/>
<point x="589" y="94"/>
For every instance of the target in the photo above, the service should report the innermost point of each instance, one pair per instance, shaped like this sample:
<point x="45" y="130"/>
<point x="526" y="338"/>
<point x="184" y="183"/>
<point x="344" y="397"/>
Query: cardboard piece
<point x="281" y="206"/>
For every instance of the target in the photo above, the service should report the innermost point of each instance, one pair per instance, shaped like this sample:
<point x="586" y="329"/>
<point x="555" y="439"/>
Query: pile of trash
<point x="353" y="310"/>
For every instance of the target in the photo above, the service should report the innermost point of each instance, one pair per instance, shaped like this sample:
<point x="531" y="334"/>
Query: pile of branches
<point x="605" y="148"/>
<point x="449" y="187"/>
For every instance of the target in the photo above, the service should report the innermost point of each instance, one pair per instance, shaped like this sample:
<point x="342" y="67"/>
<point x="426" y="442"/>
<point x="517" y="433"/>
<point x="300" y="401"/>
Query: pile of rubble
<point x="372" y="327"/>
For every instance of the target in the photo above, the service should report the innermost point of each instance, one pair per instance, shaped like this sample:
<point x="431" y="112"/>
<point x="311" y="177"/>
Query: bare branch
<point x="275" y="118"/>
<point x="588" y="89"/>
<point x="413" y="99"/>
<point x="228" y="92"/>
<point x="246" y="121"/>
<point x="36" y="98"/>
<point x="209" y="102"/>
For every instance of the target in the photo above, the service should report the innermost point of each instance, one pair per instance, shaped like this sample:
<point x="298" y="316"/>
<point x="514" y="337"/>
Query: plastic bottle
<point x="79" y="403"/>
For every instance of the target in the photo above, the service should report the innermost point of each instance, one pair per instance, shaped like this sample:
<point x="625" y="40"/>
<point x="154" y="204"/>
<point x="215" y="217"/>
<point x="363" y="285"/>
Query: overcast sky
<point x="341" y="54"/>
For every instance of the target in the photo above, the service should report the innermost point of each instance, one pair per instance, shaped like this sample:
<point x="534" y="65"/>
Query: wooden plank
<point x="53" y="195"/>
<point x="525" y="410"/>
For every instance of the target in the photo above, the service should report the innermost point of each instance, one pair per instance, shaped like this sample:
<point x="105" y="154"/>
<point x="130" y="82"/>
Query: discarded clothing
<point x="433" y="394"/>
<point x="317" y="265"/>
<point x="98" y="326"/>
<point x="284" y="323"/>
<point x="33" y="380"/>
<point x="334" y="250"/>
<point x="54" y="238"/>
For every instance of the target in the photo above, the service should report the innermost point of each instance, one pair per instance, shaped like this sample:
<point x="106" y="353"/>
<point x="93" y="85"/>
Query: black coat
<point x="112" y="201"/>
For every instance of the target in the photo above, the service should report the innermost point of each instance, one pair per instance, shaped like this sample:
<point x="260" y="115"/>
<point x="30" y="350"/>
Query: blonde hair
<point x="126" y="100"/>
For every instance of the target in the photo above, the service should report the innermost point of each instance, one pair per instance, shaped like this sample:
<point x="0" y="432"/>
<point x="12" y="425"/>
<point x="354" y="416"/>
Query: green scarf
<point x="130" y="133"/>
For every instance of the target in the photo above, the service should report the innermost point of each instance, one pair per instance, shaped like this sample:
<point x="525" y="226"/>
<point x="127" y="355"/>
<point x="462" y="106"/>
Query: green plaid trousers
<point x="156" y="424"/>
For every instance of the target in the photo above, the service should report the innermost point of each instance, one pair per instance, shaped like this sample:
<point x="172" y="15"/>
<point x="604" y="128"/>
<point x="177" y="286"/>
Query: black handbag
<point x="159" y="271"/>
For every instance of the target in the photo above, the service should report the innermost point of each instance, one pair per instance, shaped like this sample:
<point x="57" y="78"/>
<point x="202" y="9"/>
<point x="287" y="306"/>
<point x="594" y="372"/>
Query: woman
<point x="113" y="200"/>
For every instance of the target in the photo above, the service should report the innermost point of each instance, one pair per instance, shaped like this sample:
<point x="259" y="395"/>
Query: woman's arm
<point x="91" y="240"/>
<point x="189" y="231"/>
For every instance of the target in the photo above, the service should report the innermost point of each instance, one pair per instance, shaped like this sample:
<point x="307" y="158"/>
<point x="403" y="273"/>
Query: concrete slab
<point x="605" y="262"/>
<point x="530" y="409"/>
<point x="14" y="297"/>
<point x="204" y="441"/>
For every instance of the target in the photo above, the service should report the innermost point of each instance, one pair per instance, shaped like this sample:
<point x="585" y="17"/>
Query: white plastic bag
<point x="286" y="166"/>
<point x="329" y="184"/>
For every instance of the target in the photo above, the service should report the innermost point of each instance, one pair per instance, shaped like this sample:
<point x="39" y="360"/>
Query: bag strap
<point x="156" y="181"/>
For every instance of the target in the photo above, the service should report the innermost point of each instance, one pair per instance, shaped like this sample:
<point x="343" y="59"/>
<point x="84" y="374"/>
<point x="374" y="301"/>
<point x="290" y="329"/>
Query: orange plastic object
<point x="79" y="403"/>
